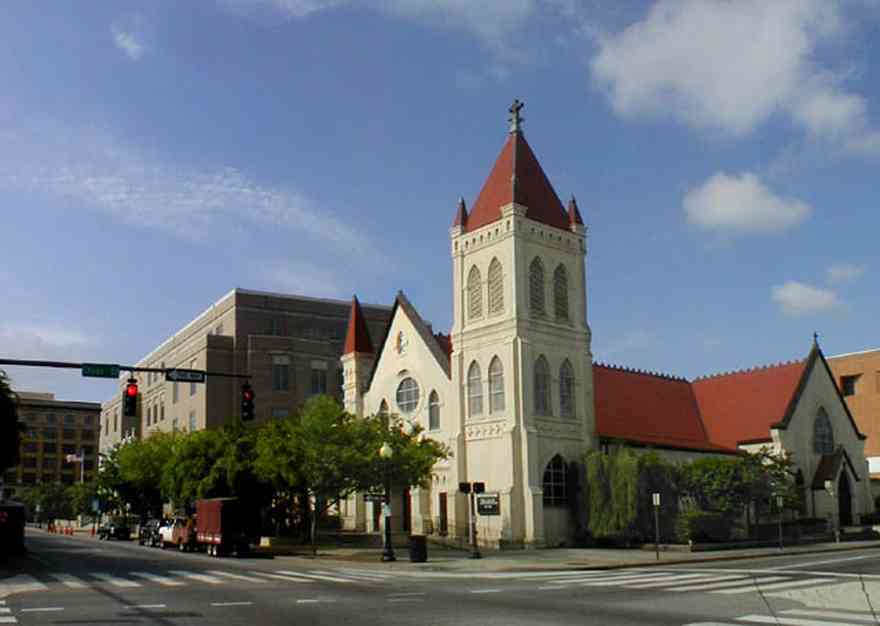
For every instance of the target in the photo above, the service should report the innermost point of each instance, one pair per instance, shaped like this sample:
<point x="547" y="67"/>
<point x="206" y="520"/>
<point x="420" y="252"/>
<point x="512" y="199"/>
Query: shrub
<point x="703" y="526"/>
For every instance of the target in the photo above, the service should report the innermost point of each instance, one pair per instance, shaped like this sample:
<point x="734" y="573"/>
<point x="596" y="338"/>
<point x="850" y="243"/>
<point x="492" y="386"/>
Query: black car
<point x="115" y="529"/>
<point x="148" y="533"/>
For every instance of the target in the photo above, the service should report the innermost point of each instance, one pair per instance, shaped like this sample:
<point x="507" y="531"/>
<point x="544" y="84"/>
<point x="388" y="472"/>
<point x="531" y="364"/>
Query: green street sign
<point x="100" y="370"/>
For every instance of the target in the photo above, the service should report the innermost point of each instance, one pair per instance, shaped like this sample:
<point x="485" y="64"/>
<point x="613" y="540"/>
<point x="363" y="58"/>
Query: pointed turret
<point x="357" y="338"/>
<point x="517" y="178"/>
<point x="461" y="215"/>
<point x="574" y="215"/>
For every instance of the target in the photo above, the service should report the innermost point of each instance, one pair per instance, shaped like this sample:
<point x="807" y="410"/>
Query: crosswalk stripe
<point x="579" y="574"/>
<point x="155" y="578"/>
<point x="778" y="586"/>
<point x="853" y="617"/>
<point x="4" y="609"/>
<point x="580" y="577"/>
<point x="622" y="580"/>
<point x="114" y="580"/>
<point x="710" y="581"/>
<point x="358" y="576"/>
<point x="365" y="572"/>
<point x="196" y="576"/>
<point x="250" y="579"/>
<point x="292" y="579"/>
<point x="672" y="580"/>
<point x="744" y="580"/>
<point x="787" y="621"/>
<point x="4" y="619"/>
<point x="334" y="579"/>
<point x="69" y="581"/>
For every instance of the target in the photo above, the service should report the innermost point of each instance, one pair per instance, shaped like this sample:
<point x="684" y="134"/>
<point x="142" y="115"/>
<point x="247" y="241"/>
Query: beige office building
<point x="54" y="429"/>
<point x="289" y="345"/>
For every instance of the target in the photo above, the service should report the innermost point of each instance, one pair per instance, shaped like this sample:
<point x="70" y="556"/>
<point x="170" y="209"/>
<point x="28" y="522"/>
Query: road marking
<point x="785" y="621"/>
<point x="778" y="586"/>
<point x="114" y="580"/>
<point x="20" y="584"/>
<point x="43" y="609"/>
<point x="811" y="563"/>
<point x="8" y="620"/>
<point x="622" y="580"/>
<point x="334" y="579"/>
<point x="243" y="603"/>
<point x="553" y="587"/>
<point x="195" y="576"/>
<point x="734" y="583"/>
<point x="406" y="595"/>
<point x="855" y="617"/>
<point x="706" y="580"/>
<point x="306" y="601"/>
<point x="363" y="572"/>
<point x="250" y="579"/>
<point x="4" y="609"/>
<point x="155" y="578"/>
<point x="572" y="579"/>
<point x="668" y="580"/>
<point x="292" y="579"/>
<point x="69" y="581"/>
<point x="147" y="606"/>
<point x="485" y="591"/>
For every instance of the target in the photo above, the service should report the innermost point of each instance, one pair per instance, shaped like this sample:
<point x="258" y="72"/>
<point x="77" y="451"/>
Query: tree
<point x="10" y="429"/>
<point x="81" y="496"/>
<point x="141" y="467"/>
<point x="52" y="499"/>
<point x="189" y="473"/>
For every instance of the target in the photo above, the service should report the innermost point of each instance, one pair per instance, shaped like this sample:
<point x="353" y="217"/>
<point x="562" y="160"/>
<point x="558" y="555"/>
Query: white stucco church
<point x="515" y="394"/>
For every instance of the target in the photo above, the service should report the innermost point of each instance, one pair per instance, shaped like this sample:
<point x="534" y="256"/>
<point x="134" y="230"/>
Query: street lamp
<point x="829" y="487"/>
<point x="385" y="453"/>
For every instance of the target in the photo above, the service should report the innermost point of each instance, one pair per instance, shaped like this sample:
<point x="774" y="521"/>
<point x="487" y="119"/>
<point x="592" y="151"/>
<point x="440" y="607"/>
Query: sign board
<point x="656" y="498"/>
<point x="185" y="376"/>
<point x="100" y="370"/>
<point x="374" y="497"/>
<point x="489" y="504"/>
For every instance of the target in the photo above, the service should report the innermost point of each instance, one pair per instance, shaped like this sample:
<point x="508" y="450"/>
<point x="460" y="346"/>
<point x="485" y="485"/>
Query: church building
<point x="514" y="393"/>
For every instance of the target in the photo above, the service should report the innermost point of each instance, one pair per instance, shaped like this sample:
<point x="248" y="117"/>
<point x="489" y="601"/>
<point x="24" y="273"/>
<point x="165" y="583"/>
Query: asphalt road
<point x="78" y="580"/>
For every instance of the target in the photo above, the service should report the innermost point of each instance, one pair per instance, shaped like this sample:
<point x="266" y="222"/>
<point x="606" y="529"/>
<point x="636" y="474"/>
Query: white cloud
<point x="796" y="298"/>
<point x="741" y="203"/>
<point x="42" y="343"/>
<point x="732" y="65"/>
<point x="632" y="341"/>
<point x="299" y="278"/>
<point x="128" y="42"/>
<point x="844" y="272"/>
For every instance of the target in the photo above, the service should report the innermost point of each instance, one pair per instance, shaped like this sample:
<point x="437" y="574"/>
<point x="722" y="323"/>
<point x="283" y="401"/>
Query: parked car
<point x="220" y="529"/>
<point x="115" y="528"/>
<point x="178" y="532"/>
<point x="148" y="533"/>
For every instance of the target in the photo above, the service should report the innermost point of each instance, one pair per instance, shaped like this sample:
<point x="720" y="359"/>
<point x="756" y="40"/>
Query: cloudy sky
<point x="156" y="154"/>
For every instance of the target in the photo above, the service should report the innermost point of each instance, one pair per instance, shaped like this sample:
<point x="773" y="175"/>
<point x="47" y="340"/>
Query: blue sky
<point x="154" y="155"/>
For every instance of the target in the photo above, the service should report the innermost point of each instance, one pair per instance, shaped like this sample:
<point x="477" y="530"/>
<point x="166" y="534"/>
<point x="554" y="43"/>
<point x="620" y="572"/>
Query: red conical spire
<point x="357" y="338"/>
<point x="461" y="214"/>
<point x="574" y="216"/>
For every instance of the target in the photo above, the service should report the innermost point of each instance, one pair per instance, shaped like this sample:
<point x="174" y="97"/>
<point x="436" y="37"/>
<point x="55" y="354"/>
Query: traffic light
<point x="130" y="398"/>
<point x="247" y="403"/>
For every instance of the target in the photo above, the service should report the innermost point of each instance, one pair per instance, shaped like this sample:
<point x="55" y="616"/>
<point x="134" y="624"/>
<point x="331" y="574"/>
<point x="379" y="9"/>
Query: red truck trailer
<point x="219" y="527"/>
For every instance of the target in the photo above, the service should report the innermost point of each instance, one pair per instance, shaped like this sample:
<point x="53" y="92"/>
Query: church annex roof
<point x="829" y="468"/>
<point x="517" y="177"/>
<point x="357" y="337"/>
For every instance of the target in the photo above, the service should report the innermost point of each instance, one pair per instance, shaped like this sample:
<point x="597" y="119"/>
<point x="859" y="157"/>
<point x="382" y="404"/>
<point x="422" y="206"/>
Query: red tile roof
<point x="518" y="177"/>
<point x="357" y="337"/>
<point x="743" y="406"/>
<point x="651" y="409"/>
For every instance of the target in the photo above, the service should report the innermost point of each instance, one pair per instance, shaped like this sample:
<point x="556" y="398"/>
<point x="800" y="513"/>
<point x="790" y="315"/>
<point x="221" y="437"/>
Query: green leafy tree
<point x="52" y="499"/>
<point x="189" y="473"/>
<point x="141" y="467"/>
<point x="10" y="429"/>
<point x="81" y="496"/>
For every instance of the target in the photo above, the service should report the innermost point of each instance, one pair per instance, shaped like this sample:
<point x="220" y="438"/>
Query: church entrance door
<point x="844" y="500"/>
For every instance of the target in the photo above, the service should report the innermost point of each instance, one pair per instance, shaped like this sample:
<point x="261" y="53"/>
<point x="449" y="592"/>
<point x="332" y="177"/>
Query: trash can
<point x="418" y="548"/>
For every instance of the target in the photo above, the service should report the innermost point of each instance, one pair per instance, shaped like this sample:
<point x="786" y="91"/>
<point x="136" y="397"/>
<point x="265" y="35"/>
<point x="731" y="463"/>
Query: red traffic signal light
<point x="247" y="402"/>
<point x="248" y="395"/>
<point x="131" y="389"/>
<point x="130" y="399"/>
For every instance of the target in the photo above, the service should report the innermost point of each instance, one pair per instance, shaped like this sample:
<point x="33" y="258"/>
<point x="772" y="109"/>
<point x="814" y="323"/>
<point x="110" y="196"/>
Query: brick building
<point x="858" y="376"/>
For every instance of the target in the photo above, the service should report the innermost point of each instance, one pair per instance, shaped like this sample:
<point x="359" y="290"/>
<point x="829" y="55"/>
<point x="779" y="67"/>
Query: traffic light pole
<point x="123" y="368"/>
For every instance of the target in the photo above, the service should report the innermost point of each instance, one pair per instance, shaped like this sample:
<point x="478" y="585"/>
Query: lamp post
<point x="780" y="501"/>
<point x="655" y="500"/>
<point x="829" y="487"/>
<point x="385" y="453"/>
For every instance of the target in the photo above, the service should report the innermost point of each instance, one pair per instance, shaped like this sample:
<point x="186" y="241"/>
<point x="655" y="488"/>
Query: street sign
<point x="185" y="376"/>
<point x="655" y="497"/>
<point x="100" y="370"/>
<point x="489" y="504"/>
<point x="374" y="497"/>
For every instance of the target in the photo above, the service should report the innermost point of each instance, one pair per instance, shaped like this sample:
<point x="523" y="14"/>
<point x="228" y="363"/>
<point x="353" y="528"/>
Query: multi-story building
<point x="858" y="377"/>
<point x="289" y="346"/>
<point x="54" y="429"/>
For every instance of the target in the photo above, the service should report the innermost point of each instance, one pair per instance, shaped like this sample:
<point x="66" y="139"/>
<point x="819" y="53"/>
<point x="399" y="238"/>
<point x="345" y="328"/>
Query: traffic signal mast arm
<point x="123" y="368"/>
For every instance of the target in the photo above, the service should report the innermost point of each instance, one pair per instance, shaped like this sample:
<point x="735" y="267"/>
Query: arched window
<point x="383" y="408"/>
<point x="433" y="411"/>
<point x="407" y="395"/>
<point x="536" y="288"/>
<point x="496" y="288"/>
<point x="555" y="491"/>
<point x="475" y="294"/>
<point x="560" y="293"/>
<point x="566" y="389"/>
<point x="823" y="436"/>
<point x="475" y="390"/>
<point x="496" y="385"/>
<point x="542" y="387"/>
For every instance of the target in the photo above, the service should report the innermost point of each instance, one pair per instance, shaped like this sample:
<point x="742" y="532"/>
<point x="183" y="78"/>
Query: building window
<point x="319" y="377"/>
<point x="555" y="492"/>
<point x="107" y="425"/>
<point x="496" y="288"/>
<point x="408" y="395"/>
<point x="162" y="411"/>
<point x="69" y="420"/>
<point x="475" y="294"/>
<point x="174" y="423"/>
<point x="536" y="288"/>
<point x="566" y="389"/>
<point x="496" y="385"/>
<point x="116" y="421"/>
<point x="542" y="387"/>
<point x="823" y="436"/>
<point x="87" y="420"/>
<point x="175" y="392"/>
<point x="274" y="327"/>
<point x="279" y="413"/>
<point x="433" y="411"/>
<point x="848" y="385"/>
<point x="560" y="293"/>
<point x="192" y="421"/>
<point x="69" y="433"/>
<point x="280" y="372"/>
<point x="192" y="386"/>
<point x="475" y="390"/>
<point x="50" y="419"/>
<point x="383" y="408"/>
<point x="218" y="330"/>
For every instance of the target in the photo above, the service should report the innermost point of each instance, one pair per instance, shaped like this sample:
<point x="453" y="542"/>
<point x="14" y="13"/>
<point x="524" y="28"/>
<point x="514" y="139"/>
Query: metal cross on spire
<point x="515" y="119"/>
